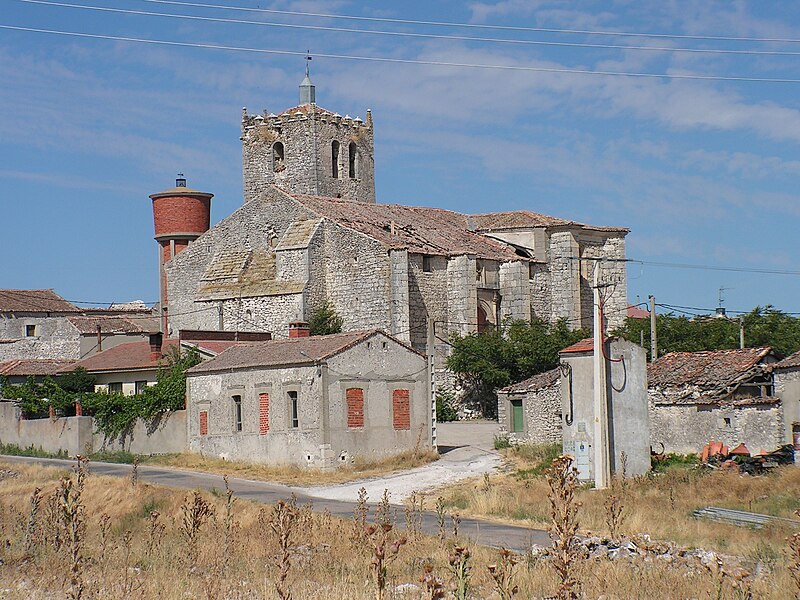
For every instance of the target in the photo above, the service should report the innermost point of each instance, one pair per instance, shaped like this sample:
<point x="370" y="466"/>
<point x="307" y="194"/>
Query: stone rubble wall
<point x="787" y="388"/>
<point x="540" y="291"/>
<point x="400" y="307"/>
<point x="565" y="278"/>
<point x="542" y="416"/>
<point x="55" y="338"/>
<point x="515" y="291"/>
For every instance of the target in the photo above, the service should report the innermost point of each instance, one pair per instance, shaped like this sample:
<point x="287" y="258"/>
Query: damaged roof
<point x="793" y="360"/>
<point x="34" y="367"/>
<point x="523" y="219"/>
<point x="420" y="230"/>
<point x="707" y="376"/>
<point x="115" y="324"/>
<point x="34" y="301"/>
<point x="532" y="384"/>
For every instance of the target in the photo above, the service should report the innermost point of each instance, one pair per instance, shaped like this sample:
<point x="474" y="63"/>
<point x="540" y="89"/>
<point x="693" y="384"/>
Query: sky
<point x="698" y="155"/>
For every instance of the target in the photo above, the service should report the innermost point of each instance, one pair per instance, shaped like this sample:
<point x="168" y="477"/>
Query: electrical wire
<point x="475" y="25"/>
<point x="460" y="38"/>
<point x="408" y="61"/>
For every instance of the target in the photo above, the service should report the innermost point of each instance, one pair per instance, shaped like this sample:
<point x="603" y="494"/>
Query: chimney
<point x="298" y="329"/>
<point x="156" y="340"/>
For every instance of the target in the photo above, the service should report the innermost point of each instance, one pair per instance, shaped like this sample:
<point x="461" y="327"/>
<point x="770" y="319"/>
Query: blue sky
<point x="702" y="171"/>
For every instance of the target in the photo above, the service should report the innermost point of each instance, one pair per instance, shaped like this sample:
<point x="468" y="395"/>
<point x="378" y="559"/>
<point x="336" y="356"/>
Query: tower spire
<point x="307" y="89"/>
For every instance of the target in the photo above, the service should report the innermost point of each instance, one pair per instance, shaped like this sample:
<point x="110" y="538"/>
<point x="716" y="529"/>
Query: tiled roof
<point x="793" y="360"/>
<point x="298" y="235"/>
<point x="28" y="367"/>
<point x="522" y="219"/>
<point x="286" y="352"/>
<point x="134" y="356"/>
<point x="537" y="382"/>
<point x="115" y="324"/>
<point x="420" y="230"/>
<point x="635" y="312"/>
<point x="306" y="109"/>
<point x="244" y="274"/>
<point x="585" y="345"/>
<point x="705" y="377"/>
<point x="34" y="301"/>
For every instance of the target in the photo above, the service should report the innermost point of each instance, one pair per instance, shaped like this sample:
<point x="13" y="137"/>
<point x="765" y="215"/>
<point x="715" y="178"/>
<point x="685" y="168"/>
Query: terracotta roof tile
<point x="523" y="219"/>
<point x="793" y="360"/>
<point x="134" y="356"/>
<point x="421" y="230"/>
<point x="532" y="384"/>
<point x="585" y="345"/>
<point x="40" y="367"/>
<point x="115" y="324"/>
<point x="34" y="301"/>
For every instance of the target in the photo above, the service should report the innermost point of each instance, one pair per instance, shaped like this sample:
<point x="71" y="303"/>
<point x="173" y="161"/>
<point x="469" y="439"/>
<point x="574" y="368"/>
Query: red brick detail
<point x="180" y="246"/>
<point x="263" y="413"/>
<point x="355" y="407"/>
<point x="203" y="422"/>
<point x="78" y="409"/>
<point x="401" y="409"/>
<point x="181" y="214"/>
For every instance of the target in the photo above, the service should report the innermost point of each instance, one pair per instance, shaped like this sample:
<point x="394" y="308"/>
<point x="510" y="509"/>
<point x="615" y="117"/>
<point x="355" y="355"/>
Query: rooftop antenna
<point x="721" y="304"/>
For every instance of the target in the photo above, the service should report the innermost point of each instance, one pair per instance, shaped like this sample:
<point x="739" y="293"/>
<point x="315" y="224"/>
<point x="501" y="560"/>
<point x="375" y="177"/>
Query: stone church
<point x="310" y="231"/>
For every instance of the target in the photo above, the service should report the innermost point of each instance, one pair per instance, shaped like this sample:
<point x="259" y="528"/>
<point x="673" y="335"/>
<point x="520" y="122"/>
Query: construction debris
<point x="740" y="518"/>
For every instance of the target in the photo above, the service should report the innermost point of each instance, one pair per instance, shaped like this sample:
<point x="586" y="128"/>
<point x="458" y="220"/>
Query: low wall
<point x="77" y="435"/>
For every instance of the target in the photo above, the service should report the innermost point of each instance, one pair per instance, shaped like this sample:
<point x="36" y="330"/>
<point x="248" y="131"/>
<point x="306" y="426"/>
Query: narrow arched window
<point x="353" y="160"/>
<point x="335" y="159"/>
<point x="278" y="164"/>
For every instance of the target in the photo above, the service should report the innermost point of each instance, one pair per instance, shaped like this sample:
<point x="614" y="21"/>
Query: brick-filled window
<point x="355" y="408"/>
<point x="203" y="422"/>
<point x="401" y="409"/>
<point x="263" y="413"/>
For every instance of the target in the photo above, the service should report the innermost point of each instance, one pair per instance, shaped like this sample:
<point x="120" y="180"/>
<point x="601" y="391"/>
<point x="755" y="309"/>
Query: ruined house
<point x="786" y="379"/>
<point x="723" y="395"/>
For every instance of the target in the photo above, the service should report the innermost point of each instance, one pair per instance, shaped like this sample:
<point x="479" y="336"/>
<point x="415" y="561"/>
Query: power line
<point x="460" y="38"/>
<point x="686" y="265"/>
<point x="478" y="25"/>
<point x="384" y="59"/>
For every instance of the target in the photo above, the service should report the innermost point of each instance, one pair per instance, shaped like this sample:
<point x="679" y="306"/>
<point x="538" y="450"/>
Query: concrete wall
<point x="76" y="435"/>
<point x="787" y="388"/>
<point x="685" y="429"/>
<point x="322" y="438"/>
<point x="629" y="426"/>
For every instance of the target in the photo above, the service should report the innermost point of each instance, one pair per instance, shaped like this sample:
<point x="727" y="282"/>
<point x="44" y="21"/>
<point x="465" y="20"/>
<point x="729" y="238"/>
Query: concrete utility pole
<point x="431" y="381"/>
<point x="653" y="332"/>
<point x="602" y="470"/>
<point x="741" y="333"/>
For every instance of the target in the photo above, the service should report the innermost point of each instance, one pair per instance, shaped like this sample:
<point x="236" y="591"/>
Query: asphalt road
<point x="479" y="531"/>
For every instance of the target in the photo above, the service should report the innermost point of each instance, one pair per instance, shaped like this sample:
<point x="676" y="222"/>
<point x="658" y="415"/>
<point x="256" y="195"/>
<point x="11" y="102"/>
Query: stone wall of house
<point x="565" y="278"/>
<point x="615" y="297"/>
<point x="542" y="415"/>
<point x="307" y="165"/>
<point x="55" y="338"/>
<point x="685" y="429"/>
<point x="427" y="298"/>
<point x="539" y="294"/>
<point x="515" y="290"/>
<point x="787" y="388"/>
<point x="323" y="438"/>
<point x="400" y="307"/>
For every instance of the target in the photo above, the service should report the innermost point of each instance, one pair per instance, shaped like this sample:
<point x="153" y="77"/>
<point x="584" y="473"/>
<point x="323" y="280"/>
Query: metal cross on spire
<point x="308" y="60"/>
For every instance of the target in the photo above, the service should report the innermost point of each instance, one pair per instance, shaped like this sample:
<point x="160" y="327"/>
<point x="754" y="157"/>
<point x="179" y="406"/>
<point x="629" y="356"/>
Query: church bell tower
<point x="308" y="150"/>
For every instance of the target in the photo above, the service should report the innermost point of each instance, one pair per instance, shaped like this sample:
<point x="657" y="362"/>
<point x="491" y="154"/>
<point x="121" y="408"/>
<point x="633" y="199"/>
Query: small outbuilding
<point x="723" y="395"/>
<point x="530" y="411"/>
<point x="317" y="401"/>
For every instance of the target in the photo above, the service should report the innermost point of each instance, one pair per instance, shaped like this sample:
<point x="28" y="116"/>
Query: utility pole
<point x="602" y="471"/>
<point x="653" y="332"/>
<point x="431" y="380"/>
<point x="741" y="332"/>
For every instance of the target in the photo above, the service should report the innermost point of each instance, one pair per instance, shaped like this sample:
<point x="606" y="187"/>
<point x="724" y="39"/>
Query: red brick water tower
<point x="180" y="216"/>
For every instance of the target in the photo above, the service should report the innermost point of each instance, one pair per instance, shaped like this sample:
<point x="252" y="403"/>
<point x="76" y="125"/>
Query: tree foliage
<point x="325" y="321"/>
<point x="499" y="357"/>
<point x="765" y="326"/>
<point x="77" y="380"/>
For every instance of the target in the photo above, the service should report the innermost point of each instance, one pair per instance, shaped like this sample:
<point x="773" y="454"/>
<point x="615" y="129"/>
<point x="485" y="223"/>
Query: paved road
<point x="479" y="531"/>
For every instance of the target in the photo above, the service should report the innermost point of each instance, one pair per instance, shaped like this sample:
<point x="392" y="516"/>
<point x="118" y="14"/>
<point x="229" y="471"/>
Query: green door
<point x="517" y="423"/>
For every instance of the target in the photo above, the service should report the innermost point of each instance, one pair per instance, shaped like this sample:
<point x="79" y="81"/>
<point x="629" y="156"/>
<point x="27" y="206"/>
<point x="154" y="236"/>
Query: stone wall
<point x="77" y="435"/>
<point x="539" y="281"/>
<point x="400" y="307"/>
<point x="427" y="297"/>
<point x="55" y="338"/>
<point x="307" y="166"/>
<point x="615" y="297"/>
<point x="787" y="388"/>
<point x="565" y="278"/>
<point x="515" y="290"/>
<point x="542" y="410"/>
<point x="685" y="429"/>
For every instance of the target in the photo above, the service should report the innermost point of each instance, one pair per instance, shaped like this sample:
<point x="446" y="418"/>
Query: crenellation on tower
<point x="307" y="149"/>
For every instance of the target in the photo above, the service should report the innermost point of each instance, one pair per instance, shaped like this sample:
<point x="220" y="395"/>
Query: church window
<point x="278" y="157"/>
<point x="335" y="159"/>
<point x="353" y="156"/>
<point x="427" y="266"/>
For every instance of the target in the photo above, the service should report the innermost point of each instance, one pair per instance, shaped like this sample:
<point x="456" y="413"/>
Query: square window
<point x="115" y="388"/>
<point x="427" y="266"/>
<point x="30" y="330"/>
<point x="139" y="387"/>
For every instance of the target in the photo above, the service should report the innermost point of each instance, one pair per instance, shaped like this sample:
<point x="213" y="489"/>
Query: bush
<point x="444" y="407"/>
<point x="501" y="441"/>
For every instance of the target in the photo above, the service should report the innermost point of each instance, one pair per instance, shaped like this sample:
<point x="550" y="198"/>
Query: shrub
<point x="444" y="407"/>
<point x="325" y="321"/>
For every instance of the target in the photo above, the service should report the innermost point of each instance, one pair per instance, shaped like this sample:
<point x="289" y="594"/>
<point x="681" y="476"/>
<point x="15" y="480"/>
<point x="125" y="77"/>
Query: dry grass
<point x="659" y="505"/>
<point x="134" y="545"/>
<point x="291" y="475"/>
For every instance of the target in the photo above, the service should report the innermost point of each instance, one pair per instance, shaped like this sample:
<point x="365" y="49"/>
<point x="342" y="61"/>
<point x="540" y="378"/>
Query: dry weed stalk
<point x="440" y="514"/>
<point x="414" y="510"/>
<point x="227" y="520"/>
<point x="793" y="556"/>
<point x="431" y="584"/>
<point x="196" y="513"/>
<point x="614" y="514"/>
<point x="562" y="479"/>
<point x="461" y="570"/>
<point x="384" y="551"/>
<point x="502" y="573"/>
<point x="383" y="514"/>
<point x="135" y="471"/>
<point x="32" y="531"/>
<point x="73" y="526"/>
<point x="360" y="514"/>
<point x="155" y="530"/>
<point x="284" y="522"/>
<point x="456" y="519"/>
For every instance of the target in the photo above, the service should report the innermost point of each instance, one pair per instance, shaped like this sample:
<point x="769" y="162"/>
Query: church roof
<point x="420" y="230"/>
<point x="34" y="301"/>
<point x="522" y="219"/>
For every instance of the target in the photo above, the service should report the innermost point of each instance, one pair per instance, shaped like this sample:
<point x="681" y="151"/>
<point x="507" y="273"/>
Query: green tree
<point x="324" y="320"/>
<point x="499" y="357"/>
<point x="77" y="380"/>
